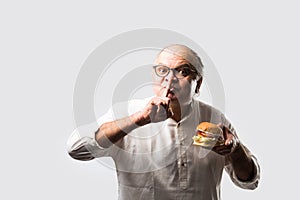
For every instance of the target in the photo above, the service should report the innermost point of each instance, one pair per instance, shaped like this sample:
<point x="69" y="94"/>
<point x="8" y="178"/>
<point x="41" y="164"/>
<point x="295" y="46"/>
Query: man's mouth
<point x="171" y="94"/>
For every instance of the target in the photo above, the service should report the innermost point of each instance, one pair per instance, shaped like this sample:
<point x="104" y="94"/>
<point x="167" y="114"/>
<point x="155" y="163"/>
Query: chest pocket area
<point x="136" y="185"/>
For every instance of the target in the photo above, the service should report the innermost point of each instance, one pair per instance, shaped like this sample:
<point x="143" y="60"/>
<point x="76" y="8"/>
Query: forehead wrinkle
<point x="170" y="60"/>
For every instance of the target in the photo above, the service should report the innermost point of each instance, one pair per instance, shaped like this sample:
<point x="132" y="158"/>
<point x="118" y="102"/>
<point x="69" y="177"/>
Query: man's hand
<point x="157" y="110"/>
<point x="230" y="144"/>
<point x="239" y="157"/>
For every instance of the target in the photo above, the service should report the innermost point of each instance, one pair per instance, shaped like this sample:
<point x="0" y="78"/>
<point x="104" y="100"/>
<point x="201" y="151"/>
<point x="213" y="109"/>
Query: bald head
<point x="184" y="52"/>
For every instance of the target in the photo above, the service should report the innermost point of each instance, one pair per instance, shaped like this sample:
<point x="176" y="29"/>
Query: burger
<point x="208" y="135"/>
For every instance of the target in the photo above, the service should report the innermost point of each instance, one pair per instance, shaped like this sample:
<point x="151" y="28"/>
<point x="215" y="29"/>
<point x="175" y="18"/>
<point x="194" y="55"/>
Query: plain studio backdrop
<point x="254" y="46"/>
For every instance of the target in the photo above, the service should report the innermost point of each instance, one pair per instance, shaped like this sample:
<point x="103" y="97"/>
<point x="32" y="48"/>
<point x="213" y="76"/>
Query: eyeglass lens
<point x="179" y="72"/>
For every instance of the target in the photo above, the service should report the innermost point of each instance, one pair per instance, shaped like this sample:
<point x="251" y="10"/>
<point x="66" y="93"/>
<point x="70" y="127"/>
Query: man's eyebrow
<point x="180" y="66"/>
<point x="183" y="65"/>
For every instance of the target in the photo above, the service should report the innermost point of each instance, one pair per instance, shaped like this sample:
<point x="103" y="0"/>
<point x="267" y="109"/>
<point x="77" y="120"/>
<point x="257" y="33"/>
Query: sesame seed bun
<point x="208" y="135"/>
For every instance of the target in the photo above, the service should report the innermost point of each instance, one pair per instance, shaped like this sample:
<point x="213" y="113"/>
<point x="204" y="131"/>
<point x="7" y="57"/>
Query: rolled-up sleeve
<point x="85" y="148"/>
<point x="250" y="184"/>
<point x="82" y="144"/>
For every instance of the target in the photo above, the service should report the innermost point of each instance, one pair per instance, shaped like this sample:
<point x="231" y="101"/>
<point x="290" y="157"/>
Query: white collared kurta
<point x="159" y="162"/>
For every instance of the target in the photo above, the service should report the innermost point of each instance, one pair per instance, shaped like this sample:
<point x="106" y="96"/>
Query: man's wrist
<point x="139" y="119"/>
<point x="239" y="153"/>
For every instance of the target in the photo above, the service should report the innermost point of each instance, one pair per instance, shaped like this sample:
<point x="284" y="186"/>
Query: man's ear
<point x="199" y="82"/>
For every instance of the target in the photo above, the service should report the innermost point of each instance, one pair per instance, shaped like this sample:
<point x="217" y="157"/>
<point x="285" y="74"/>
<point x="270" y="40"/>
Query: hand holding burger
<point x="219" y="138"/>
<point x="208" y="135"/>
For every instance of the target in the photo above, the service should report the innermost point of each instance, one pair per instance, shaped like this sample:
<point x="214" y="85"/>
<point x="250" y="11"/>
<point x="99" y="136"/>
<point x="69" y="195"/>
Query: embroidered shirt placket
<point x="182" y="158"/>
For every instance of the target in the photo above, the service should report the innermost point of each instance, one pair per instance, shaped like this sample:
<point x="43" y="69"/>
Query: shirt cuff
<point x="250" y="184"/>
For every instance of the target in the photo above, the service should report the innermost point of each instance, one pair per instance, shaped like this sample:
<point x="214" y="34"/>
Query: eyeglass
<point x="179" y="72"/>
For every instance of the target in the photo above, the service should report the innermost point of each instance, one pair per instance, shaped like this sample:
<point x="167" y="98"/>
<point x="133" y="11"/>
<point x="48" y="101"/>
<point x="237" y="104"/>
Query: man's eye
<point x="183" y="71"/>
<point x="162" y="70"/>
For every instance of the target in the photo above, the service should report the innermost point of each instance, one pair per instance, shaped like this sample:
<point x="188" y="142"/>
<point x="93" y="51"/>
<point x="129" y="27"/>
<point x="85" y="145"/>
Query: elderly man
<point x="152" y="145"/>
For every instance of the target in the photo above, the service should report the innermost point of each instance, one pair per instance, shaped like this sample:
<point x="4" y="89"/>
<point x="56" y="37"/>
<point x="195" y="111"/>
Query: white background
<point x="254" y="45"/>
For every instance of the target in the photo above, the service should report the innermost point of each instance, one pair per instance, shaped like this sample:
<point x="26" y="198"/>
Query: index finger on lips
<point x="164" y="101"/>
<point x="158" y="101"/>
<point x="165" y="92"/>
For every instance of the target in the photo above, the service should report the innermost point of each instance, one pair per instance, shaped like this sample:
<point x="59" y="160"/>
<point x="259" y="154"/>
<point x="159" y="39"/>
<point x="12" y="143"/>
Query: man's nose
<point x="171" y="76"/>
<point x="169" y="79"/>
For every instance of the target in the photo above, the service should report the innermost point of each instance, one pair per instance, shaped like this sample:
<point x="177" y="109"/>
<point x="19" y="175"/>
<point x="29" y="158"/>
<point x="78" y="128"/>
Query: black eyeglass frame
<point x="175" y="70"/>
